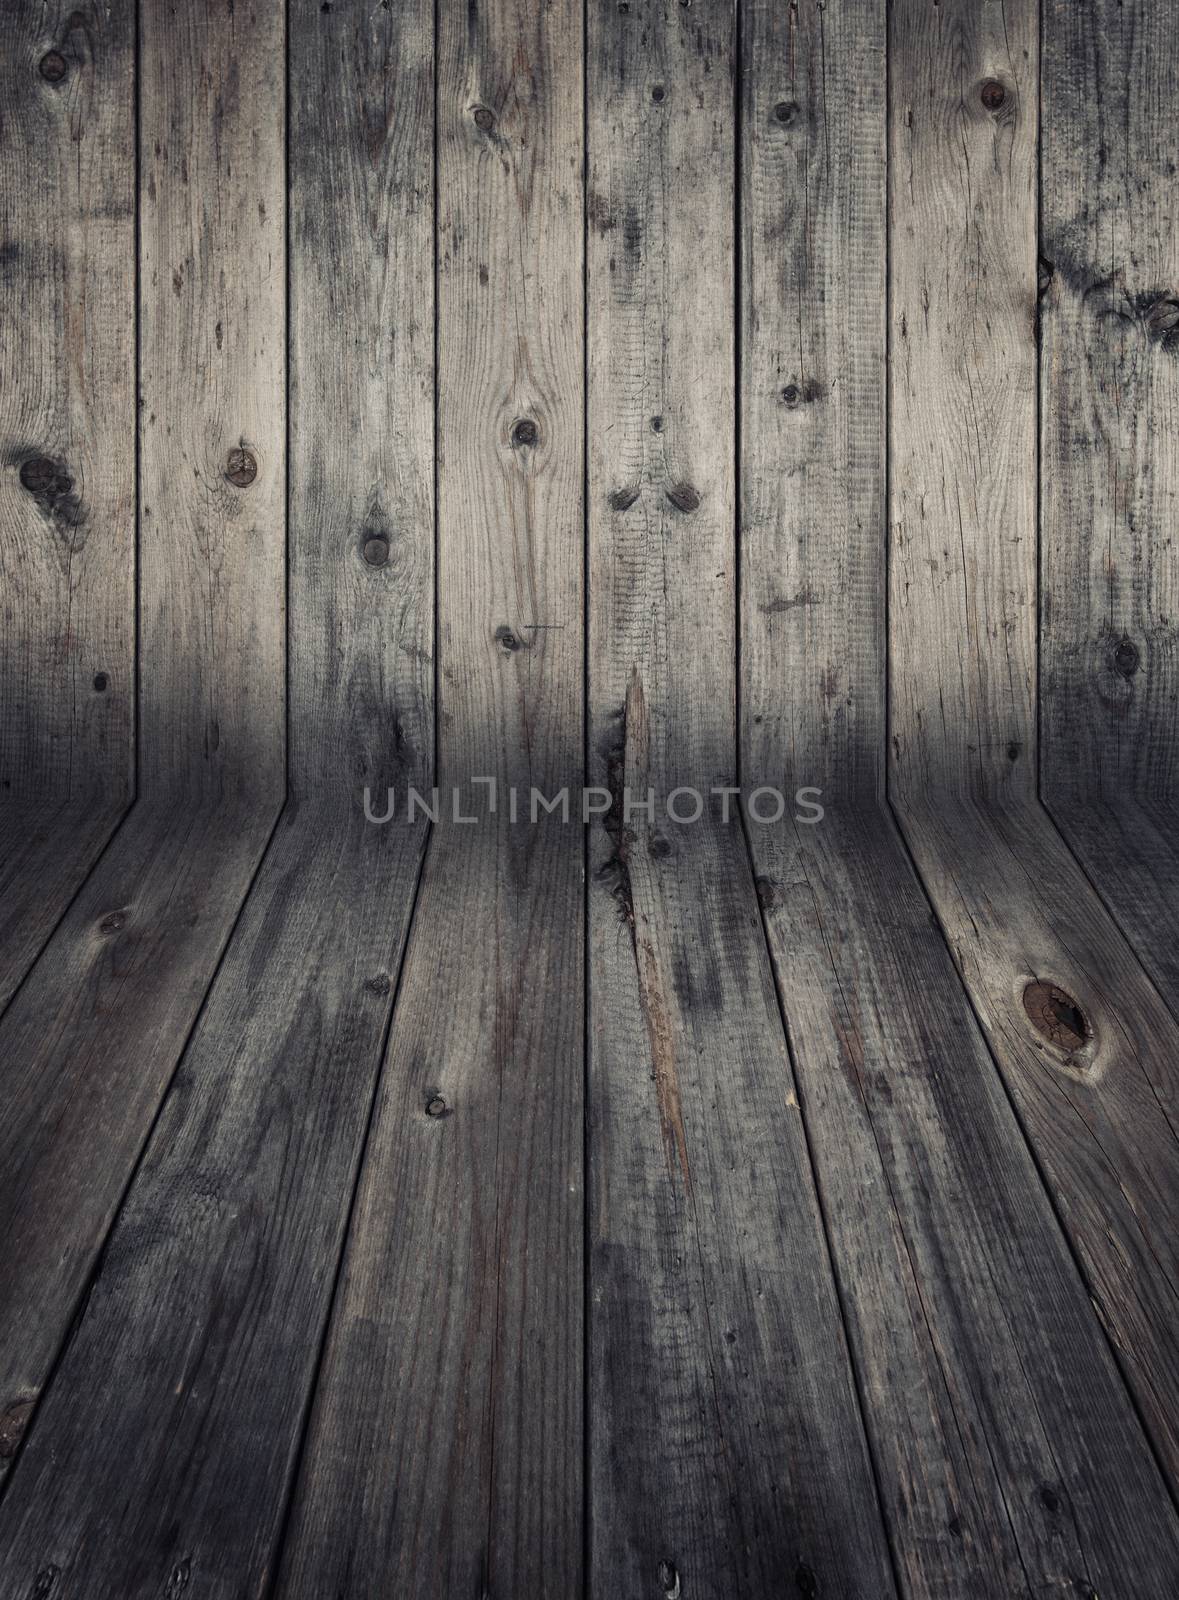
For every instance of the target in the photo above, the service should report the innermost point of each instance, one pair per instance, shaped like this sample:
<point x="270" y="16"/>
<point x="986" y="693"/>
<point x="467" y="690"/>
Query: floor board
<point x="193" y="1362"/>
<point x="1130" y="852"/>
<point x="1010" y="1456"/>
<point x="89" y="1046"/>
<point x="45" y="856"/>
<point x="445" y="1451"/>
<point x="727" y="1453"/>
<point x="1095" y="1091"/>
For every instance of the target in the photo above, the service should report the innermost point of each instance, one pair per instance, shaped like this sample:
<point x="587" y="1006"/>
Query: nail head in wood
<point x="241" y="468"/>
<point x="52" y="66"/>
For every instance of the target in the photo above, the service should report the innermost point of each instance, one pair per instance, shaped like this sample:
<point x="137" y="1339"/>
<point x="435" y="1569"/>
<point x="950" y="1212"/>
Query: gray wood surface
<point x="445" y="1451"/>
<point x="726" y="1448"/>
<point x="962" y="366"/>
<point x="67" y="402"/>
<point x="812" y="469"/>
<point x="212" y="400"/>
<point x="197" y="1344"/>
<point x="1010" y="1457"/>
<point x="207" y="1315"/>
<point x="1109" y="407"/>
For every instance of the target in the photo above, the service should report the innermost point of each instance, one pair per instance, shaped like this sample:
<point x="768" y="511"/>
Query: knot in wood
<point x="806" y="1583"/>
<point x="241" y="467"/>
<point x="436" y="1106"/>
<point x="1162" y="321"/>
<point x="669" y="1580"/>
<point x="506" y="638"/>
<point x="1054" y="1013"/>
<point x="52" y="66"/>
<point x="786" y="112"/>
<point x="658" y="94"/>
<point x="112" y="922"/>
<point x="1126" y="658"/>
<point x="39" y="475"/>
<point x="524" y="433"/>
<point x="378" y="984"/>
<point x="683" y="497"/>
<point x="376" y="551"/>
<point x="791" y="395"/>
<point x="484" y="119"/>
<point x="993" y="95"/>
<point x="100" y="682"/>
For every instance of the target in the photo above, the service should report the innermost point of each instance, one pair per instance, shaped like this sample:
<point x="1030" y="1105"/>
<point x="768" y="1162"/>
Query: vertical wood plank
<point x="67" y="405"/>
<point x="962" y="586"/>
<point x="1110" y="470"/>
<point x="812" y="396"/>
<point x="445" y="1450"/>
<point x="726" y="1449"/>
<point x="212" y="400"/>
<point x="1110" y="484"/>
<point x="362" y="400"/>
<point x="661" y="350"/>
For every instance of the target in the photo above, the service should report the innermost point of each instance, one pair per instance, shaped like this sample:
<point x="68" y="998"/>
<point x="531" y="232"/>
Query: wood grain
<point x="67" y="405"/>
<point x="812" y="464"/>
<point x="660" y="335"/>
<point x="197" y="1343"/>
<point x="962" y="364"/>
<point x="1010" y="1457"/>
<point x="726" y="1449"/>
<point x="445" y="1450"/>
<point x="213" y="400"/>
<point x="1110" y="404"/>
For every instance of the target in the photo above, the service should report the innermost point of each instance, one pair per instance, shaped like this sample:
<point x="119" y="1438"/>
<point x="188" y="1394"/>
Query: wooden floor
<point x="616" y="399"/>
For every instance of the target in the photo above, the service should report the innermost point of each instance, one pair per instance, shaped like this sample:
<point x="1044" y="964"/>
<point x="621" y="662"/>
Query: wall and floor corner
<point x="608" y="397"/>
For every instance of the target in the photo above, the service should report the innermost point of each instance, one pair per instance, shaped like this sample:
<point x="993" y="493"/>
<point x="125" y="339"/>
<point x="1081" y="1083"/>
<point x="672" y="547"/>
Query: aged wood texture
<point x="812" y="396"/>
<point x="660" y="334"/>
<point x="92" y="1039"/>
<point x="444" y="1455"/>
<point x="1109" y="467"/>
<point x="192" y="1362"/>
<point x="726" y="1448"/>
<point x="1085" y="1045"/>
<point x="445" y="1451"/>
<point x="213" y="400"/>
<point x="1010" y="1458"/>
<point x="727" y="1453"/>
<point x="67" y="404"/>
<point x="67" y="457"/>
<point x="962" y="515"/>
<point x="207" y="1315"/>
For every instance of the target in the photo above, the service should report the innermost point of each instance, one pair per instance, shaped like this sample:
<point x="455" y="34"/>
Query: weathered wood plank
<point x="1086" y="1047"/>
<point x="207" y="1316"/>
<point x="89" y="1046"/>
<point x="46" y="851"/>
<point x="1009" y="1455"/>
<point x="92" y="1039"/>
<point x="445" y="1454"/>
<point x="213" y="400"/>
<point x="67" y="405"/>
<point x="660" y="337"/>
<point x="1094" y="1092"/>
<point x="727" y="1454"/>
<point x="1110" y="402"/>
<point x="726" y="1446"/>
<point x="193" y="1359"/>
<point x="962" y="514"/>
<point x="812" y="395"/>
<point x="1109" y="465"/>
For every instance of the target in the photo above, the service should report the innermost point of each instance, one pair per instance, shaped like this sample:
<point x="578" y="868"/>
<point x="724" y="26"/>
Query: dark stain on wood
<point x="1055" y="1014"/>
